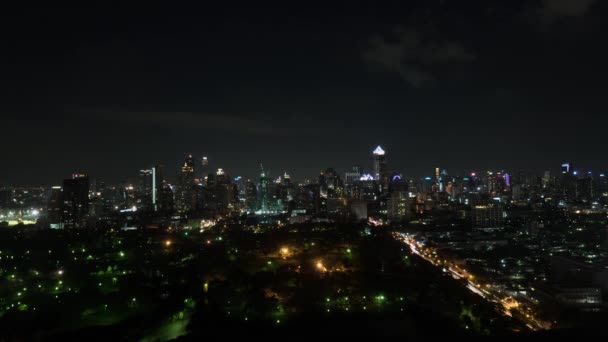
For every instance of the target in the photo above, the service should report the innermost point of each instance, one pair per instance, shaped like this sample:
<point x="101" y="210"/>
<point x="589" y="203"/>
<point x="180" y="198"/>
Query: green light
<point x="121" y="254"/>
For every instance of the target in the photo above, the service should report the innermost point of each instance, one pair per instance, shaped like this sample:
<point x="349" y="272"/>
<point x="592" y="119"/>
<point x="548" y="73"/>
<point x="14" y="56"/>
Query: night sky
<point x="464" y="85"/>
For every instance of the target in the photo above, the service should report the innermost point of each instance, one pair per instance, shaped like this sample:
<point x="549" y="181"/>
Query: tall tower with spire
<point x="380" y="167"/>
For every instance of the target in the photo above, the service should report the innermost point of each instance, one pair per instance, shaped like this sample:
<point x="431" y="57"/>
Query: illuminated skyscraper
<point x="263" y="201"/>
<point x="150" y="187"/>
<point x="185" y="195"/>
<point x="380" y="168"/>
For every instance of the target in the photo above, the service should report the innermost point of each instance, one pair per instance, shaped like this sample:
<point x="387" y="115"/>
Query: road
<point x="491" y="292"/>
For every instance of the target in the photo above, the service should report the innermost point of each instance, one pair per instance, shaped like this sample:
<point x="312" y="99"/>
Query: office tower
<point x="602" y="184"/>
<point x="223" y="192"/>
<point x="330" y="184"/>
<point x="399" y="207"/>
<point x="381" y="168"/>
<point x="397" y="184"/>
<point x="144" y="189"/>
<point x="486" y="214"/>
<point x="251" y="195"/>
<point x="427" y="185"/>
<point x="204" y="167"/>
<point x="157" y="185"/>
<point x="350" y="179"/>
<point x="54" y="207"/>
<point x="289" y="188"/>
<point x="75" y="198"/>
<point x="263" y="205"/>
<point x="568" y="182"/>
<point x="443" y="180"/>
<point x="366" y="188"/>
<point x="150" y="187"/>
<point x="584" y="188"/>
<point x="185" y="194"/>
<point x="458" y="186"/>
<point x="352" y="176"/>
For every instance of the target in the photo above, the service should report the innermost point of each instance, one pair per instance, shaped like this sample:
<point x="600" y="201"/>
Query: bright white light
<point x="379" y="151"/>
<point x="35" y="212"/>
<point x="366" y="177"/>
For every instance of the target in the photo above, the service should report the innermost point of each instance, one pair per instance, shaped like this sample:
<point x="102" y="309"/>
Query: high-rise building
<point x="186" y="194"/>
<point x="487" y="215"/>
<point x="584" y="188"/>
<point x="75" y="198"/>
<point x="54" y="208"/>
<point x="251" y="195"/>
<point x="204" y="167"/>
<point x="353" y="175"/>
<point x="263" y="205"/>
<point x="144" y="189"/>
<point x="150" y="187"/>
<point x="568" y="182"/>
<point x="602" y="184"/>
<point x="381" y="168"/>
<point x="223" y="191"/>
<point x="399" y="207"/>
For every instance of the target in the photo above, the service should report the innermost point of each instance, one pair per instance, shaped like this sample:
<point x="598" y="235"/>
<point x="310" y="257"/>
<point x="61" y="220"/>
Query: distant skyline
<point x="514" y="85"/>
<point x="171" y="171"/>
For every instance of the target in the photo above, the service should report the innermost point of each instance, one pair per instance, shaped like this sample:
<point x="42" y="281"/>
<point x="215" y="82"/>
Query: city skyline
<point x="410" y="170"/>
<point x="171" y="172"/>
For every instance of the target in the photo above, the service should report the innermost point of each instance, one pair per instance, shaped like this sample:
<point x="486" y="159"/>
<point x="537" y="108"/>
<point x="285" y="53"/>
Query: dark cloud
<point x="413" y="54"/>
<point x="554" y="11"/>
<point x="573" y="8"/>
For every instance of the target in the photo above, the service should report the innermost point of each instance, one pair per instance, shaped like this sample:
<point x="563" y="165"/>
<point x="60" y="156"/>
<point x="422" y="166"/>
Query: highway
<point x="491" y="292"/>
